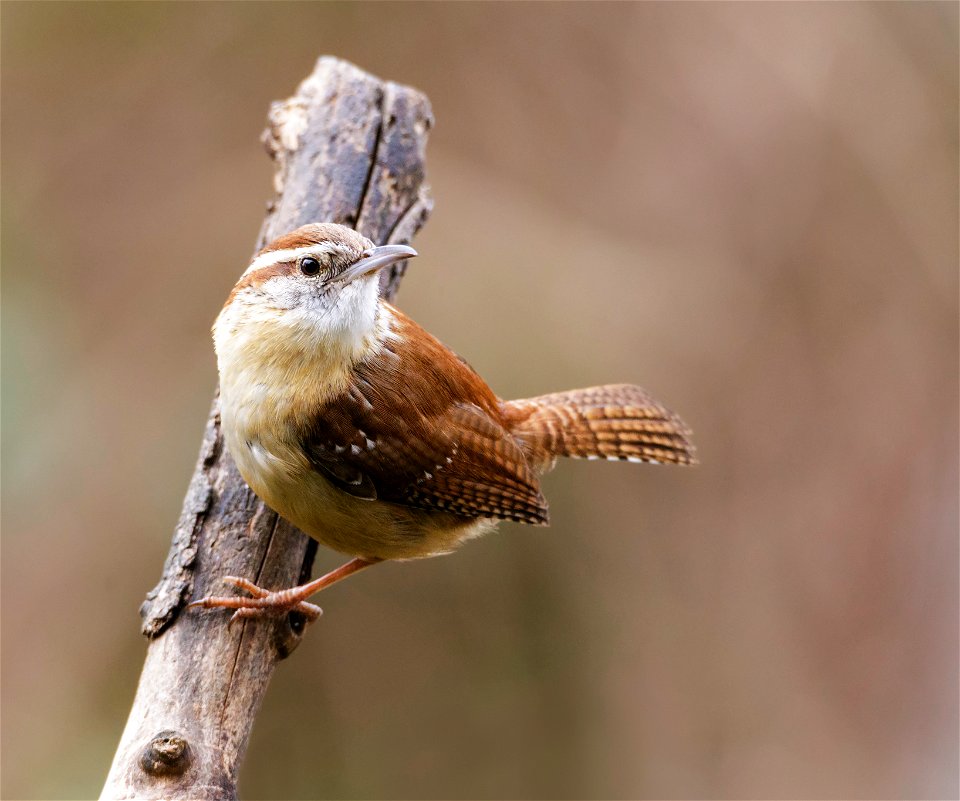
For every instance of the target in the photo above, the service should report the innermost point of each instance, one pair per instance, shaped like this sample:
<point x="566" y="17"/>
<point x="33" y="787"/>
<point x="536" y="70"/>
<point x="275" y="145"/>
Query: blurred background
<point x="751" y="210"/>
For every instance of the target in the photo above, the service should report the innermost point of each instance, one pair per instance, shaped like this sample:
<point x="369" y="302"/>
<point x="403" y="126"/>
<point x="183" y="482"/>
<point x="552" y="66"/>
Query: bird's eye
<point x="309" y="265"/>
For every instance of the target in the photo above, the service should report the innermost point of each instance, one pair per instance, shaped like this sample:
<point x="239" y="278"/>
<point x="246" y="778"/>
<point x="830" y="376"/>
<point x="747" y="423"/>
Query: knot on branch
<point x="167" y="754"/>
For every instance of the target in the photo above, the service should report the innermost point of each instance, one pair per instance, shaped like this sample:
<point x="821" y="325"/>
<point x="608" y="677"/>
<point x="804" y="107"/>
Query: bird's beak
<point x="375" y="259"/>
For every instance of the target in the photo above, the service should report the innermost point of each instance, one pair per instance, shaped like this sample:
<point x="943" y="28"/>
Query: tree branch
<point x="348" y="148"/>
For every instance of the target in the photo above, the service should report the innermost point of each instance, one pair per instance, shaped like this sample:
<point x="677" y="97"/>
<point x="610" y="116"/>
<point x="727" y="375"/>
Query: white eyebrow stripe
<point x="289" y="254"/>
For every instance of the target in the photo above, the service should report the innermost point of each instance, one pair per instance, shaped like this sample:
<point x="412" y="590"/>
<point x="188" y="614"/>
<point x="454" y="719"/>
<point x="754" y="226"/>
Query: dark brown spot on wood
<point x="167" y="754"/>
<point x="289" y="633"/>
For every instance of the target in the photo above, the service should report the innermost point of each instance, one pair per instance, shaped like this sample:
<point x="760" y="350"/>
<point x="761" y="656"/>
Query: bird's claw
<point x="262" y="603"/>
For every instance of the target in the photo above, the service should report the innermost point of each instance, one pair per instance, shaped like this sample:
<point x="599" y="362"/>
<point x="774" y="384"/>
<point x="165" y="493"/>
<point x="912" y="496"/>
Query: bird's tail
<point x="617" y="421"/>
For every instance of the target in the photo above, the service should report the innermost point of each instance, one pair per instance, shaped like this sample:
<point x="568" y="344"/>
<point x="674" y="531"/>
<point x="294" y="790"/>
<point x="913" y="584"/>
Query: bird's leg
<point x="266" y="602"/>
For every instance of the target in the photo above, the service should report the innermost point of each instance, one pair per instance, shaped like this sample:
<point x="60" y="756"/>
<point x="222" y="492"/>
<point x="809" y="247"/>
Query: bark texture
<point x="348" y="148"/>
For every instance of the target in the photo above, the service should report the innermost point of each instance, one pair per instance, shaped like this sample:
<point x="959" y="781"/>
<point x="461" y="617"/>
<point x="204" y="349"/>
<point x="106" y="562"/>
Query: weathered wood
<point x="347" y="148"/>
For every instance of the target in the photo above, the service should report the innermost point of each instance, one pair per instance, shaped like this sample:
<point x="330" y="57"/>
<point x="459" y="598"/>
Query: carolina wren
<point x="367" y="433"/>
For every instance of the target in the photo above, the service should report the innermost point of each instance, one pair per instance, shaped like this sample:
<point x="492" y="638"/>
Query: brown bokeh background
<point x="751" y="210"/>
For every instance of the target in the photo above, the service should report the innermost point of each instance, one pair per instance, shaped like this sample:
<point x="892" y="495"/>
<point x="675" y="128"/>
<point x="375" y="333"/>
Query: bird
<point x="366" y="432"/>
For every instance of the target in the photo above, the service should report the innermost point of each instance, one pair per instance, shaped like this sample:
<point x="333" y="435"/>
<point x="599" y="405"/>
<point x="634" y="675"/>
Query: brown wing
<point x="419" y="427"/>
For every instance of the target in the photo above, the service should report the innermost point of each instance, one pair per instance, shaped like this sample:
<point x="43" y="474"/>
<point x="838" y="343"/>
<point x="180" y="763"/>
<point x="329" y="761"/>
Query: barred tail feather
<point x="617" y="421"/>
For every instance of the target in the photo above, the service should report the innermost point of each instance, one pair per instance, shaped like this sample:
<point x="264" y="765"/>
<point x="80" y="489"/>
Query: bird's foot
<point x="262" y="603"/>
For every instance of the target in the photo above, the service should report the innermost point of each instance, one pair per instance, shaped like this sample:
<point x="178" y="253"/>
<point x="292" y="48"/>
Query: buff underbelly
<point x="353" y="526"/>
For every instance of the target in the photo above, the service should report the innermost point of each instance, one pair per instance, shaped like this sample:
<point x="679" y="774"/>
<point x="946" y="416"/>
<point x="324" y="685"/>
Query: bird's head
<point x="315" y="287"/>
